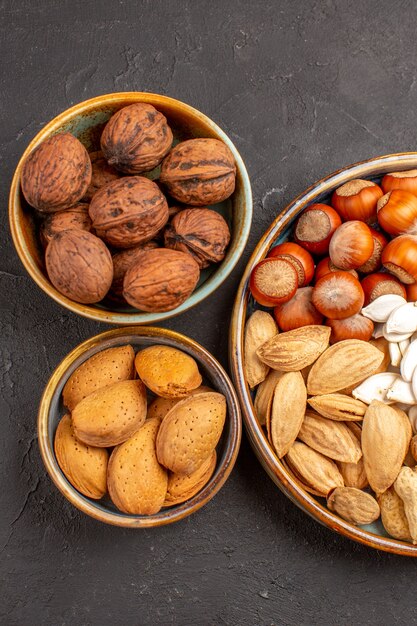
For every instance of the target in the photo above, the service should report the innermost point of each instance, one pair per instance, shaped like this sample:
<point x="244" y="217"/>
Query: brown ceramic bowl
<point x="51" y="410"/>
<point x="372" y="535"/>
<point x="86" y="121"/>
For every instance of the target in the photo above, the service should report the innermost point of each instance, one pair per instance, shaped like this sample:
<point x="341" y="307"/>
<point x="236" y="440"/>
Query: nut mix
<point x="148" y="442"/>
<point x="344" y="424"/>
<point x="110" y="194"/>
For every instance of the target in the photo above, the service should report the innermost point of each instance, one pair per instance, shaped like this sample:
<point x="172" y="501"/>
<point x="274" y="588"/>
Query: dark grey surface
<point x="302" y="88"/>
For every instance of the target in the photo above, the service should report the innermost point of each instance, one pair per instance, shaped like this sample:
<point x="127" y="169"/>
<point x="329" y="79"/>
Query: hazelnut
<point x="136" y="138"/>
<point x="121" y="263"/>
<point x="79" y="266"/>
<point x="199" y="172"/>
<point x="161" y="280"/>
<point x="203" y="233"/>
<point x="56" y="174"/>
<point x="128" y="211"/>
<point x="75" y="217"/>
<point x="101" y="174"/>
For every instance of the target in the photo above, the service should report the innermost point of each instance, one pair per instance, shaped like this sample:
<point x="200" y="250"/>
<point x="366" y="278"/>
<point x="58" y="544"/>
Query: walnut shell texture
<point x="203" y="233"/>
<point x="128" y="211"/>
<point x="56" y="174"/>
<point x="136" y="138"/>
<point x="199" y="172"/>
<point x="75" y="217"/>
<point x="79" y="266"/>
<point x="161" y="280"/>
<point x="101" y="174"/>
<point x="123" y="260"/>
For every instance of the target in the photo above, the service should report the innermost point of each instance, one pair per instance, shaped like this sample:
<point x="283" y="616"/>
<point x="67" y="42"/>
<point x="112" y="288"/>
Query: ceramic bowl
<point x="372" y="535"/>
<point x="86" y="121"/>
<point x="51" y="410"/>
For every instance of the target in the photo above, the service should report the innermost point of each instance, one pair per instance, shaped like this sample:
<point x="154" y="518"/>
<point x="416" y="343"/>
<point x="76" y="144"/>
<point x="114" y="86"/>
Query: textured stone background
<point x="302" y="88"/>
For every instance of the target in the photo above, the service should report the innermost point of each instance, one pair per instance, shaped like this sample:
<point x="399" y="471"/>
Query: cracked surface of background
<point x="302" y="88"/>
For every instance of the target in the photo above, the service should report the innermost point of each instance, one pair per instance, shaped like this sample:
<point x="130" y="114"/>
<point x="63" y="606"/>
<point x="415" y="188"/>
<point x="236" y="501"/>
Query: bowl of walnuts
<point x="130" y="208"/>
<point x="139" y="427"/>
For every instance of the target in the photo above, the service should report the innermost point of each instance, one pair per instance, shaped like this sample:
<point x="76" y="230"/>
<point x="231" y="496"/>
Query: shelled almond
<point x="361" y="411"/>
<point x="160" y="430"/>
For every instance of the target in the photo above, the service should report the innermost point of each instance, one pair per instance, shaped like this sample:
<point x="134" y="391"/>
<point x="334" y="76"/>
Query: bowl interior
<point x="86" y="121"/>
<point x="52" y="409"/>
<point x="280" y="231"/>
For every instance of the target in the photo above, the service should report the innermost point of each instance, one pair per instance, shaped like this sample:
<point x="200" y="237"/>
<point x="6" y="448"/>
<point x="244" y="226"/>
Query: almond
<point x="287" y="412"/>
<point x="383" y="345"/>
<point x="190" y="432"/>
<point x="343" y="364"/>
<point x="295" y="349"/>
<point x="182" y="487"/>
<point x="313" y="468"/>
<point x="110" y="415"/>
<point x="338" y="406"/>
<point x="393" y="515"/>
<point x="167" y="372"/>
<point x="413" y="447"/>
<point x="302" y="483"/>
<point x="353" y="505"/>
<point x="102" y="369"/>
<point x="264" y="394"/>
<point x="137" y="482"/>
<point x="407" y="428"/>
<point x="84" y="466"/>
<point x="161" y="406"/>
<point x="406" y="487"/>
<point x="333" y="439"/>
<point x="259" y="328"/>
<point x="385" y="440"/>
<point x="354" y="474"/>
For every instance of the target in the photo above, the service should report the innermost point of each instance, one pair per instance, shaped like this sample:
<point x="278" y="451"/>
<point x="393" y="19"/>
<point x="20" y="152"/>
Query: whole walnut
<point x="136" y="138"/>
<point x="160" y="280"/>
<point x="121" y="263"/>
<point x="128" y="211"/>
<point x="203" y="233"/>
<point x="75" y="217"/>
<point x="56" y="174"/>
<point x="79" y="266"/>
<point x="101" y="174"/>
<point x="199" y="172"/>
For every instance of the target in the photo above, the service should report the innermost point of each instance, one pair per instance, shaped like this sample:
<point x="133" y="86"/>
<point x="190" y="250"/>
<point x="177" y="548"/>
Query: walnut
<point x="79" y="266"/>
<point x="199" y="172"/>
<point x="161" y="280"/>
<point x="173" y="210"/>
<point x="128" y="211"/>
<point x="102" y="173"/>
<point x="75" y="217"/>
<point x="136" y="138"/>
<point x="56" y="174"/>
<point x="203" y="233"/>
<point x="121" y="263"/>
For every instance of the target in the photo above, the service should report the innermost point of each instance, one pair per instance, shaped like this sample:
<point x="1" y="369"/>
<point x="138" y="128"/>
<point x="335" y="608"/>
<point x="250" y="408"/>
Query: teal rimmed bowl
<point x="51" y="410"/>
<point x="86" y="121"/>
